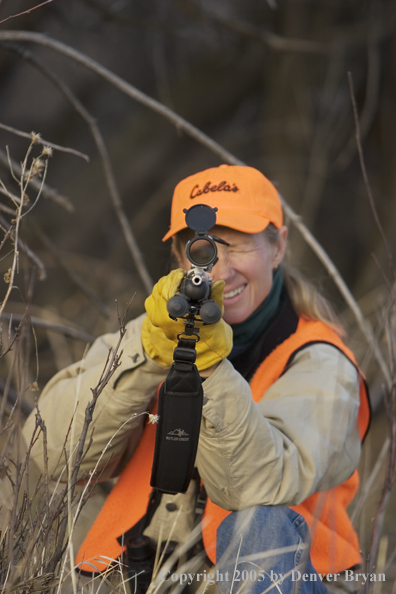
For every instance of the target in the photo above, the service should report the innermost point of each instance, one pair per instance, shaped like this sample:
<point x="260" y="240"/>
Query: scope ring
<point x="211" y="260"/>
<point x="197" y="336"/>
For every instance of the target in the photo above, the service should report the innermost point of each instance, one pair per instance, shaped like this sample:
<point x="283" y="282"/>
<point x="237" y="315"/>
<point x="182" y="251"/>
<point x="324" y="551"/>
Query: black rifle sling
<point x="179" y="409"/>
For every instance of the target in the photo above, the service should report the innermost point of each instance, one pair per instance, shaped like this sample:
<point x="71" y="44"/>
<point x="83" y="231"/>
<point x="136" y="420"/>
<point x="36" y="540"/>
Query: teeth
<point x="235" y="292"/>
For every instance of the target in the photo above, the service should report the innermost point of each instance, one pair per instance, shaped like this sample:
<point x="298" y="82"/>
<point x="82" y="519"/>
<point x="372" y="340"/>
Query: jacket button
<point x="171" y="507"/>
<point x="136" y="357"/>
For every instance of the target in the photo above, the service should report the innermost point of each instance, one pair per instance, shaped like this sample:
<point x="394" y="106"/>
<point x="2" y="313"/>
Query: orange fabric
<point x="124" y="506"/>
<point x="335" y="545"/>
<point x="245" y="198"/>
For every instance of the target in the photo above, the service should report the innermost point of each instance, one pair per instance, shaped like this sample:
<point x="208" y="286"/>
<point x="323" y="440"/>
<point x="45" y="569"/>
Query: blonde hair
<point x="307" y="301"/>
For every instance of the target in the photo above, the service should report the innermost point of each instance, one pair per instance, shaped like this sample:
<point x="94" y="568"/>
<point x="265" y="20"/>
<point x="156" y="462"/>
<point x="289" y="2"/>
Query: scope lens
<point x="202" y="252"/>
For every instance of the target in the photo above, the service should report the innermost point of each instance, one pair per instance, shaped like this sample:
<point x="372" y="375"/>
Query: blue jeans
<point x="265" y="549"/>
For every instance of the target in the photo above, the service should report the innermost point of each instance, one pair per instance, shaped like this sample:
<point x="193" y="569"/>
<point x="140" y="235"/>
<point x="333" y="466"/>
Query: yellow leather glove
<point x="159" y="331"/>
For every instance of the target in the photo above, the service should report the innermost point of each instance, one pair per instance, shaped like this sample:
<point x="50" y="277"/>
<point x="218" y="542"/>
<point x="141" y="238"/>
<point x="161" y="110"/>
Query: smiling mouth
<point x="234" y="292"/>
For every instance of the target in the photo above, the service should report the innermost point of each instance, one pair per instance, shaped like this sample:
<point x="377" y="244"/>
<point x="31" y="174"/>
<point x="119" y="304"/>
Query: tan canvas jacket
<point x="300" y="438"/>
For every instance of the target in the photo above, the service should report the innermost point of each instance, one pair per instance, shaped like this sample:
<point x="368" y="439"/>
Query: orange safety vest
<point x="335" y="545"/>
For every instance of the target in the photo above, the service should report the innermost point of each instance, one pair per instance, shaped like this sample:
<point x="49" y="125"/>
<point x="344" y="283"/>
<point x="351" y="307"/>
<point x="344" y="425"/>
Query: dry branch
<point x="80" y="58"/>
<point x="27" y="174"/>
<point x="381" y="28"/>
<point x="26" y="249"/>
<point x="370" y="104"/>
<point x="46" y="191"/>
<point x="392" y="269"/>
<point x="28" y="11"/>
<point x="111" y="365"/>
<point x="272" y="40"/>
<point x="37" y="139"/>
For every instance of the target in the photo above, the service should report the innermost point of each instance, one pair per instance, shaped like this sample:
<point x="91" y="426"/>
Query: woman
<point x="283" y="416"/>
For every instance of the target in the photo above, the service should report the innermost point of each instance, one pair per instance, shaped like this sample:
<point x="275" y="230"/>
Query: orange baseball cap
<point x="246" y="200"/>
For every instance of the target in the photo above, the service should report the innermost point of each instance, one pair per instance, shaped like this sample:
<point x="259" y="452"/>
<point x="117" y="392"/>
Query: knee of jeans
<point x="274" y="519"/>
<point x="263" y="528"/>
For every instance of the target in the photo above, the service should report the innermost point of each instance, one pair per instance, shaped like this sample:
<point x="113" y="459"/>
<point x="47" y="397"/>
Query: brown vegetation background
<point x="267" y="80"/>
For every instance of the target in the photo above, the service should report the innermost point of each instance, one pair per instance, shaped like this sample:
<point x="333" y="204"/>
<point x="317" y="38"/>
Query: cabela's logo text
<point x="221" y="187"/>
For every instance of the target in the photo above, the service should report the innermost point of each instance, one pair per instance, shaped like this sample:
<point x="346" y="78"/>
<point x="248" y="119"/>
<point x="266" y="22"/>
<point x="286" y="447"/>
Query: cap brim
<point x="243" y="221"/>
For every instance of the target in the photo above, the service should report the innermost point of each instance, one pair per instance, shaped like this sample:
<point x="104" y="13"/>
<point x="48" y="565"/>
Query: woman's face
<point x="246" y="266"/>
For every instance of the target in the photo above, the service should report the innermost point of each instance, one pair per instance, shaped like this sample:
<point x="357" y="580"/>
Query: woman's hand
<point x="159" y="331"/>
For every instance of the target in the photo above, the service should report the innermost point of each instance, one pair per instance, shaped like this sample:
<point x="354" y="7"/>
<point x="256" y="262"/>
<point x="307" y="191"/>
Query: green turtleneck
<point x="245" y="332"/>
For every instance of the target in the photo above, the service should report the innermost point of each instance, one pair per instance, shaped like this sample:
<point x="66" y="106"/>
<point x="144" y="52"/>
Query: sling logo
<point x="178" y="435"/>
<point x="221" y="187"/>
